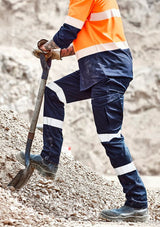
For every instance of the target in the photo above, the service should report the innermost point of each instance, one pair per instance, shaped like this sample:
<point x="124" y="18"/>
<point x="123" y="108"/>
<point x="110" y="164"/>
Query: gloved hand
<point x="41" y="43"/>
<point x="53" y="54"/>
<point x="46" y="45"/>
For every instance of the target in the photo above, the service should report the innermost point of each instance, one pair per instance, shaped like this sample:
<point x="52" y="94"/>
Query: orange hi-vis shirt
<point x="96" y="30"/>
<point x="101" y="26"/>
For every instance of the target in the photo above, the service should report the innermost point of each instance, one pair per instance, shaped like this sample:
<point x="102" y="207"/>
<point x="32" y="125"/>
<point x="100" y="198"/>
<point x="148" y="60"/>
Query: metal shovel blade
<point x="22" y="177"/>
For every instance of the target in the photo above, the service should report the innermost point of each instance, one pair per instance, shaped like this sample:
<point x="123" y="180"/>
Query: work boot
<point x="125" y="213"/>
<point x="46" y="169"/>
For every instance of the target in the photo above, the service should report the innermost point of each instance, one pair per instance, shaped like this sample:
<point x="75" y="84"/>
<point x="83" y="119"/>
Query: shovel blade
<point x="21" y="178"/>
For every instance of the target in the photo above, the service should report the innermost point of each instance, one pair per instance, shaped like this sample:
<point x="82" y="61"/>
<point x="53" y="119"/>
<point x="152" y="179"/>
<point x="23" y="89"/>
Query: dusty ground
<point x="77" y="199"/>
<point x="25" y="22"/>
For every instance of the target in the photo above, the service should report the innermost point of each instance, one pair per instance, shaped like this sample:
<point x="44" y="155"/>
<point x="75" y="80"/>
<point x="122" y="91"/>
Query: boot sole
<point x="37" y="167"/>
<point x="126" y="219"/>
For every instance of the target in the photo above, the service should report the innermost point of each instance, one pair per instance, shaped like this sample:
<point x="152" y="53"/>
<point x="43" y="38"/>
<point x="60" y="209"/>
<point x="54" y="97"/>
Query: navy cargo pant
<point x="107" y="104"/>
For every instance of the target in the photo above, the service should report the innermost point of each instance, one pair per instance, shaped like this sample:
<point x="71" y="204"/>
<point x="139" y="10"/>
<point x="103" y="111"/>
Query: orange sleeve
<point x="80" y="9"/>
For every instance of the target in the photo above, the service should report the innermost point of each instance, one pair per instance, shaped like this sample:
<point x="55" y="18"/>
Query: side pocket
<point x="114" y="112"/>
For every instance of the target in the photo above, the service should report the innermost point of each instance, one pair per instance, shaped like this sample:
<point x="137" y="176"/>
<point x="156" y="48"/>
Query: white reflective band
<point x="58" y="90"/>
<point x="107" y="137"/>
<point x="125" y="169"/>
<point x="100" y="48"/>
<point x="105" y="15"/>
<point x="74" y="22"/>
<point x="52" y="122"/>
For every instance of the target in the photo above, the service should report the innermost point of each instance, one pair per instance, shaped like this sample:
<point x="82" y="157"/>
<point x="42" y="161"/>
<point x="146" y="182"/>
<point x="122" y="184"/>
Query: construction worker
<point x="105" y="71"/>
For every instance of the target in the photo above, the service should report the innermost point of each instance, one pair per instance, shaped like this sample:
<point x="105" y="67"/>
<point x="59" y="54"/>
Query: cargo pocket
<point x="114" y="112"/>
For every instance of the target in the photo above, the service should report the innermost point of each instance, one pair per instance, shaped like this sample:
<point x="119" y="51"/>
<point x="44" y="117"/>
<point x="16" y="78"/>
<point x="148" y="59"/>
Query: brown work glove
<point x="53" y="54"/>
<point x="41" y="43"/>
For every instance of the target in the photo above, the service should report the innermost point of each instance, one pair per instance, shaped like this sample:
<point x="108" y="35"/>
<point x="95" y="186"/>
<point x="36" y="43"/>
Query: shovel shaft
<point x="34" y="121"/>
<point x="37" y="108"/>
<point x="36" y="112"/>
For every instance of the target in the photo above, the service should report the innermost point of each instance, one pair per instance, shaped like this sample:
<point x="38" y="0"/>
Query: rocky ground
<point x="72" y="200"/>
<point x="75" y="198"/>
<point x="25" y="22"/>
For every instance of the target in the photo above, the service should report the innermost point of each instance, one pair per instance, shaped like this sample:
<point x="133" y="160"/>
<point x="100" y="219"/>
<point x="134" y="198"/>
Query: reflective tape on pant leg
<point x="52" y="122"/>
<point x="58" y="90"/>
<point x="125" y="169"/>
<point x="109" y="136"/>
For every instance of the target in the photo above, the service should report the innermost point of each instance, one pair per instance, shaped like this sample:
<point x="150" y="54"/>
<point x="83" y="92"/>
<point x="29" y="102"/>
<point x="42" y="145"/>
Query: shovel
<point x="24" y="174"/>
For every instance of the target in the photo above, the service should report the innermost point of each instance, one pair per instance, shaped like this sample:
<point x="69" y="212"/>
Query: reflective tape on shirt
<point x="105" y="15"/>
<point x="58" y="90"/>
<point x="109" y="136"/>
<point x="125" y="169"/>
<point x="74" y="22"/>
<point x="100" y="48"/>
<point x="52" y="122"/>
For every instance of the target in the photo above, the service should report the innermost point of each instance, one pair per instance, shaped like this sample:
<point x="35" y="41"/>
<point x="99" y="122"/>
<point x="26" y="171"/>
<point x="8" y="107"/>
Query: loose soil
<point x="75" y="198"/>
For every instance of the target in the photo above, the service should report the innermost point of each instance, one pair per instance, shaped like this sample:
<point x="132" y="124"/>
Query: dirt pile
<point x="25" y="22"/>
<point x="77" y="195"/>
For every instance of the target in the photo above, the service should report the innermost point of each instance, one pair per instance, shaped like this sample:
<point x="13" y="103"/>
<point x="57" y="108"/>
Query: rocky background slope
<point x="23" y="23"/>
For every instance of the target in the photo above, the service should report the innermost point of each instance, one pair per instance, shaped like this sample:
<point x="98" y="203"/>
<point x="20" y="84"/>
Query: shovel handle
<point x="46" y="64"/>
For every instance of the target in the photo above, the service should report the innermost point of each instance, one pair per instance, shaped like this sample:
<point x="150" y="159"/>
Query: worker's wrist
<point x="67" y="52"/>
